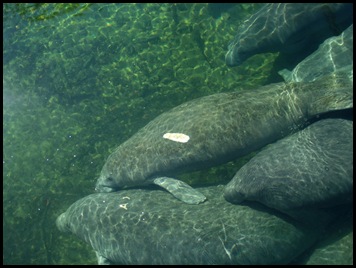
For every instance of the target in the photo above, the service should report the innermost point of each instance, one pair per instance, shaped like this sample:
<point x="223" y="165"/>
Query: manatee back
<point x="140" y="226"/>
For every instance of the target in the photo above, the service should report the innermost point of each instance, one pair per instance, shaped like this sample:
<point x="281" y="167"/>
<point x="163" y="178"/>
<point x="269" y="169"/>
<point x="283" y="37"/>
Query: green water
<point x="79" y="79"/>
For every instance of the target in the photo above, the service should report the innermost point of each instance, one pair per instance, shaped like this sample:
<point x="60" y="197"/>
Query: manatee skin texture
<point x="311" y="170"/>
<point x="221" y="127"/>
<point x="143" y="226"/>
<point x="291" y="28"/>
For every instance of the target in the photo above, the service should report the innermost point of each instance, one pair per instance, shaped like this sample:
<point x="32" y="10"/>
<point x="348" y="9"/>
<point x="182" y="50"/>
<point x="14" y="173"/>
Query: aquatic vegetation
<point x="79" y="79"/>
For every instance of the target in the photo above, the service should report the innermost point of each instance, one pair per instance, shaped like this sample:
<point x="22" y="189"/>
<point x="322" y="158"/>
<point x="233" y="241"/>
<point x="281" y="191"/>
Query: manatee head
<point x="106" y="184"/>
<point x="236" y="55"/>
<point x="61" y="223"/>
<point x="119" y="173"/>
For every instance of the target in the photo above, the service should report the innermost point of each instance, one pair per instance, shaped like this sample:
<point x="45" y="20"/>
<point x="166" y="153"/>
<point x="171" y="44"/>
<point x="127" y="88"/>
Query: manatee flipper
<point x="180" y="190"/>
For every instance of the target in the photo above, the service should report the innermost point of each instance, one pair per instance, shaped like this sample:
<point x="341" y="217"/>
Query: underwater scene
<point x="177" y="133"/>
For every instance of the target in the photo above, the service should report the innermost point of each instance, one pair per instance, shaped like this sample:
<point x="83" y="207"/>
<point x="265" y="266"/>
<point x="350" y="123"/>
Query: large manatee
<point x="143" y="226"/>
<point x="302" y="175"/>
<point x="334" y="54"/>
<point x="288" y="27"/>
<point x="216" y="129"/>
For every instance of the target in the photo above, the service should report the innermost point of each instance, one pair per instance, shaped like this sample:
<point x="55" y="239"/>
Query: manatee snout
<point x="234" y="57"/>
<point x="105" y="185"/>
<point x="61" y="223"/>
<point x="233" y="196"/>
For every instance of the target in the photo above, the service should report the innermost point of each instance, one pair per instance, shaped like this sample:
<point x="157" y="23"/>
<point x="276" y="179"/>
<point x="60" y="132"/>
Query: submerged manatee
<point x="335" y="54"/>
<point x="288" y="27"/>
<point x="301" y="175"/>
<point x="220" y="128"/>
<point x="123" y="229"/>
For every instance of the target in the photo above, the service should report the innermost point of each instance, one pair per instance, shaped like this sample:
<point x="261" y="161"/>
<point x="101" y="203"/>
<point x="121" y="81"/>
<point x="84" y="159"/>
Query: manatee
<point x="302" y="175"/>
<point x="335" y="248"/>
<point x="289" y="28"/>
<point x="335" y="54"/>
<point x="337" y="252"/>
<point x="124" y="229"/>
<point x="220" y="127"/>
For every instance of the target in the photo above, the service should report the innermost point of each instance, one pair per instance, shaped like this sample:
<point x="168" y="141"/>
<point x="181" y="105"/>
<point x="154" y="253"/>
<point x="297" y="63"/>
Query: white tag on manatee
<point x="178" y="137"/>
